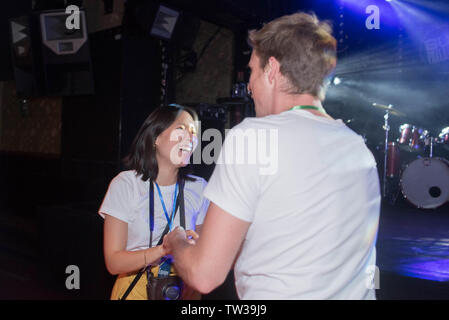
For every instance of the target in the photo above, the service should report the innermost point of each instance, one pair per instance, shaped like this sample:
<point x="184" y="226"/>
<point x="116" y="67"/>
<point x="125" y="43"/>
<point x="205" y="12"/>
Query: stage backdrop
<point x="212" y="77"/>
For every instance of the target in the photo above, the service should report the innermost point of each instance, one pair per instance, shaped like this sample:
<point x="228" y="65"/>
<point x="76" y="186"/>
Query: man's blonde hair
<point x="304" y="47"/>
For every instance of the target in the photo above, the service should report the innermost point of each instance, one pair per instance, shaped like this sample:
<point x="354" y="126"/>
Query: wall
<point x="213" y="75"/>
<point x="35" y="129"/>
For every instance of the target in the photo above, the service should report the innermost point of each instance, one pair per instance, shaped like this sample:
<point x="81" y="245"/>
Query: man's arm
<point x="205" y="265"/>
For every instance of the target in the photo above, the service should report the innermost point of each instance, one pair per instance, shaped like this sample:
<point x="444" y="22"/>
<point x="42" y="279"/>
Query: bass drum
<point x="425" y="182"/>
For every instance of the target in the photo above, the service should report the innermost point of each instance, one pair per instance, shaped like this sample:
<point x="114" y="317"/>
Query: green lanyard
<point x="305" y="107"/>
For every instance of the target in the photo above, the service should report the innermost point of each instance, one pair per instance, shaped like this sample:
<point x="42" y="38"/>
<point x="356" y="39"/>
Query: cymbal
<point x="392" y="110"/>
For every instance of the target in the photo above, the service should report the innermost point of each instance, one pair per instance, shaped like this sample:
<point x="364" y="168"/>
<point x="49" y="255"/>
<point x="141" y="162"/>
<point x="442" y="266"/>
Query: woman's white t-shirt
<point x="127" y="199"/>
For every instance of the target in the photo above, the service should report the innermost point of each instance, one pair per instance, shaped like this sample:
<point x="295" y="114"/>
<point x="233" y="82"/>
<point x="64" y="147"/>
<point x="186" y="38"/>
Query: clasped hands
<point x="177" y="237"/>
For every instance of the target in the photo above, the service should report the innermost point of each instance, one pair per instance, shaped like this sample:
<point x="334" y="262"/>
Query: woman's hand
<point x="162" y="251"/>
<point x="177" y="236"/>
<point x="192" y="236"/>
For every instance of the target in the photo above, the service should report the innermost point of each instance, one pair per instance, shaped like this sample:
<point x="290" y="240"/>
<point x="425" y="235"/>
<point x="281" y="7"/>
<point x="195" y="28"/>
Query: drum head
<point x="425" y="182"/>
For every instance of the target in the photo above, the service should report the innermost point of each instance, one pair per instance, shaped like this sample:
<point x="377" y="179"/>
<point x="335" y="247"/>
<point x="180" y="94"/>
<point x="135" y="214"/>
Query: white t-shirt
<point x="314" y="217"/>
<point x="127" y="199"/>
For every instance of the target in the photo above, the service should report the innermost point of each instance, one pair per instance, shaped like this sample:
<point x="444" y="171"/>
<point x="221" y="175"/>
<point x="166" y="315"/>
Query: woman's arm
<point x="117" y="259"/>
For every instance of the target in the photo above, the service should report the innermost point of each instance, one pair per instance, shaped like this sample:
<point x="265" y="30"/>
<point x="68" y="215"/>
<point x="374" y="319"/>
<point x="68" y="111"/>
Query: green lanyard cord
<point x="305" y="107"/>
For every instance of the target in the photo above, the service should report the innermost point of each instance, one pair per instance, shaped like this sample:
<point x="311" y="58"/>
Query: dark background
<point x="59" y="151"/>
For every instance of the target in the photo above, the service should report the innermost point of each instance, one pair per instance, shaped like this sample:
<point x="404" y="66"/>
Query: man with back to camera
<point x="306" y="230"/>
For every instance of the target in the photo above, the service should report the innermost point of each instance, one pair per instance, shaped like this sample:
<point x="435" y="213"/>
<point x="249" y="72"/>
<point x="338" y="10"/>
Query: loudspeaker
<point x="8" y="10"/>
<point x="141" y="81"/>
<point x="51" y="56"/>
<point x="27" y="67"/>
<point x="91" y="124"/>
<point x="65" y="53"/>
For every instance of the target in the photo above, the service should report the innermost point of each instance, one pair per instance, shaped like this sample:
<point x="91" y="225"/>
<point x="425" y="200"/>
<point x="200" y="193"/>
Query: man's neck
<point x="288" y="101"/>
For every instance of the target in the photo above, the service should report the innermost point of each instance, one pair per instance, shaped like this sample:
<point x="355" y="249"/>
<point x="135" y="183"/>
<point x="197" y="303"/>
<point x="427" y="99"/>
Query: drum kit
<point x="422" y="178"/>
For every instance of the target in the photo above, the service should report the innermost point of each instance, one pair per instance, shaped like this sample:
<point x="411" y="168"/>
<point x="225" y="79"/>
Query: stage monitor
<point x="58" y="37"/>
<point x="165" y="23"/>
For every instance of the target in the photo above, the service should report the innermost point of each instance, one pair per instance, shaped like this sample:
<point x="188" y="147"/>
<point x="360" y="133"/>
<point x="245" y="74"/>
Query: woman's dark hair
<point x="142" y="155"/>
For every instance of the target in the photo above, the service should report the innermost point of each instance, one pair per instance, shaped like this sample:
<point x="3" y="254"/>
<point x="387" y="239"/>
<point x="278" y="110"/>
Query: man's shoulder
<point x="267" y="122"/>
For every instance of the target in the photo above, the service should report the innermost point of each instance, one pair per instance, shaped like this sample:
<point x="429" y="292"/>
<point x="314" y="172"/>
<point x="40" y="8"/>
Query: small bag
<point x="161" y="288"/>
<point x="164" y="288"/>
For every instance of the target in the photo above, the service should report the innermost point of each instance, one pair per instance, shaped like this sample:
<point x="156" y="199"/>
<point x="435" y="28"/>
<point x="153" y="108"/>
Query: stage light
<point x="336" y="81"/>
<point x="165" y="22"/>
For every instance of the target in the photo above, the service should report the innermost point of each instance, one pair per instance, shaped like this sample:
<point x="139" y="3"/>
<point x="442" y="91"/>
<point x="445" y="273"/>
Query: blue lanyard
<point x="169" y="219"/>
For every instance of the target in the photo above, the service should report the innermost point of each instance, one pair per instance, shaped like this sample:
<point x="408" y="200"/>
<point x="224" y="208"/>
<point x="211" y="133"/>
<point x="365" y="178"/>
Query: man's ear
<point x="273" y="69"/>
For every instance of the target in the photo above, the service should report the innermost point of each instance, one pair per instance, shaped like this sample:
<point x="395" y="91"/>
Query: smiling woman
<point x="160" y="136"/>
<point x="158" y="160"/>
<point x="175" y="145"/>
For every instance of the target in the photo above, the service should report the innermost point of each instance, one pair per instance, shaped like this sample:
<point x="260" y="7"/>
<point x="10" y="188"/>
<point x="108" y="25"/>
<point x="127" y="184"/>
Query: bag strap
<point x="182" y="214"/>
<point x="180" y="204"/>
<point x="133" y="284"/>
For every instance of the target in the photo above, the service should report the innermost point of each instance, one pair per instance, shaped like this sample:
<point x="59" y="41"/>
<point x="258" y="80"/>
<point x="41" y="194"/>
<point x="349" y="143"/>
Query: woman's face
<point x="176" y="144"/>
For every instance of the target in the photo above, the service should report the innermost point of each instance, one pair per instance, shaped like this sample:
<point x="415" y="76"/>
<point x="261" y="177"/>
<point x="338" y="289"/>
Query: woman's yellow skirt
<point x="139" y="292"/>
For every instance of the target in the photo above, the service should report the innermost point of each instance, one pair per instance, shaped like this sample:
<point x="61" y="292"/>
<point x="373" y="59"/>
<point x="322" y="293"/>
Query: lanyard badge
<point x="169" y="218"/>
<point x="165" y="266"/>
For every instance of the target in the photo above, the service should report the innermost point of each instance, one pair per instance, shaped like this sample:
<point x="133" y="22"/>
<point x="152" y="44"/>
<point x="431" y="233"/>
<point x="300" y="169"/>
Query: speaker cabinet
<point x="49" y="58"/>
<point x="27" y="67"/>
<point x="65" y="54"/>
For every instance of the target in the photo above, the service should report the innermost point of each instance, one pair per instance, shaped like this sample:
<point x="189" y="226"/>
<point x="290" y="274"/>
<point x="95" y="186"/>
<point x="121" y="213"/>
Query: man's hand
<point x="178" y="236"/>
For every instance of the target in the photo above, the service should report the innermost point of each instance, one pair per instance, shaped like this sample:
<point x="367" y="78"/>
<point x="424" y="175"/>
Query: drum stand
<point x="393" y="193"/>
<point x="388" y="110"/>
<point x="386" y="127"/>
<point x="431" y="148"/>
